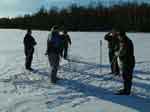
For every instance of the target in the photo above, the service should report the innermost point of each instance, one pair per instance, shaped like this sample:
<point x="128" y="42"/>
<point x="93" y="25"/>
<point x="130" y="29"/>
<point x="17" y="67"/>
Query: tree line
<point x="129" y="16"/>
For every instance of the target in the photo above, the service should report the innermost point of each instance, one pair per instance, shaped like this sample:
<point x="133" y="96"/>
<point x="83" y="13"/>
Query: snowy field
<point x="83" y="88"/>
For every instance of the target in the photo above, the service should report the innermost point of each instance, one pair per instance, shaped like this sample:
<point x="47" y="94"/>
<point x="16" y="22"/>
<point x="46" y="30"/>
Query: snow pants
<point x="127" y="79"/>
<point x="54" y="64"/>
<point x="64" y="52"/>
<point x="29" y="57"/>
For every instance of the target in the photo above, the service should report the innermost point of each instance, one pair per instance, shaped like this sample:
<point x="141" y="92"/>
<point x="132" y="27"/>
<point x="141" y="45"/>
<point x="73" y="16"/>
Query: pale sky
<point x="11" y="8"/>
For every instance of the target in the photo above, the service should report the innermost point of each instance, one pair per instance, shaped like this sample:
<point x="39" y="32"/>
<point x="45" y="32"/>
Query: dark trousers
<point x="127" y="79"/>
<point x="29" y="58"/>
<point x="64" y="52"/>
<point x="54" y="63"/>
<point x="113" y="63"/>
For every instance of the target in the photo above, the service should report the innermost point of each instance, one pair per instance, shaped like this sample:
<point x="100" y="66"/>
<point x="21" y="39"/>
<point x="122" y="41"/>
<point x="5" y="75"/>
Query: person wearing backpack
<point x="29" y="43"/>
<point x="54" y="46"/>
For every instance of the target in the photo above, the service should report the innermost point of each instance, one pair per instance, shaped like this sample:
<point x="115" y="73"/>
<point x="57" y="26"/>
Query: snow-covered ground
<point x="83" y="88"/>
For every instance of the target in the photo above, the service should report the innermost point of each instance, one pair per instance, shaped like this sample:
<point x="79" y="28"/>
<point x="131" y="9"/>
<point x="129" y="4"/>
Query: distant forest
<point x="129" y="16"/>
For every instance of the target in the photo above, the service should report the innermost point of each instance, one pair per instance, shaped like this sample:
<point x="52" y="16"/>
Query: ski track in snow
<point x="82" y="83"/>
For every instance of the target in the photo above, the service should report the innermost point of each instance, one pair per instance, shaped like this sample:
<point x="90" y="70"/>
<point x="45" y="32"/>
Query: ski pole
<point x="100" y="56"/>
<point x="114" y="62"/>
<point x="114" y="59"/>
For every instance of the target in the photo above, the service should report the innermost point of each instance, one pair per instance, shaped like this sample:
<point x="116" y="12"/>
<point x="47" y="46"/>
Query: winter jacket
<point x="54" y="43"/>
<point x="29" y="43"/>
<point x="126" y="54"/>
<point x="113" y="43"/>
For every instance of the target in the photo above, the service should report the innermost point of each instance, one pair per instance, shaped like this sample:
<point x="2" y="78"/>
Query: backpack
<point x="55" y="40"/>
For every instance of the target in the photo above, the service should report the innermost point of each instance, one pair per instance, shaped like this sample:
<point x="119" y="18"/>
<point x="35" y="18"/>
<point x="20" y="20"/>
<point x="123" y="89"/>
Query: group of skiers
<point x="121" y="57"/>
<point x="121" y="54"/>
<point x="57" y="47"/>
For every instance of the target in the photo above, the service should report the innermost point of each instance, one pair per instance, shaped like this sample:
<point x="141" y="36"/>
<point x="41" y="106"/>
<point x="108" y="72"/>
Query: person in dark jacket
<point x="126" y="62"/>
<point x="113" y="46"/>
<point x="54" y="46"/>
<point x="66" y="43"/>
<point x="29" y="43"/>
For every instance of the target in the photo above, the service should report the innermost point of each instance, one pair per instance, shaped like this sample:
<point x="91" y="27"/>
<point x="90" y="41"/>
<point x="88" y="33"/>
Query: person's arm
<point x="69" y="40"/>
<point x="108" y="37"/>
<point x="25" y="41"/>
<point x="34" y="42"/>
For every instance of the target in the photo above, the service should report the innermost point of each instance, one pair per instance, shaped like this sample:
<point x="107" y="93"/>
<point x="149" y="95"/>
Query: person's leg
<point x="116" y="67"/>
<point x="61" y="52"/>
<point x="26" y="58"/>
<point x="65" y="53"/>
<point x="55" y="69"/>
<point x="27" y="62"/>
<point x="110" y="60"/>
<point x="54" y="62"/>
<point x="122" y="90"/>
<point x="54" y="74"/>
<point x="30" y="59"/>
<point x="128" y="81"/>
